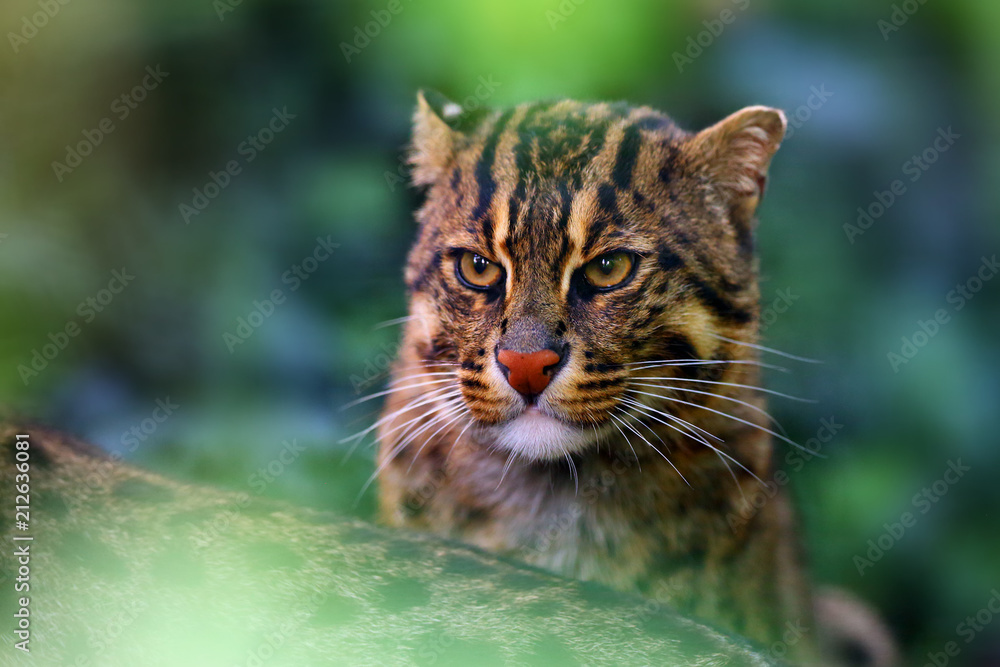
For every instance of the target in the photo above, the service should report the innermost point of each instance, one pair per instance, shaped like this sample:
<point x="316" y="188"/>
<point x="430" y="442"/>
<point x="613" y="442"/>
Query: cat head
<point x="566" y="250"/>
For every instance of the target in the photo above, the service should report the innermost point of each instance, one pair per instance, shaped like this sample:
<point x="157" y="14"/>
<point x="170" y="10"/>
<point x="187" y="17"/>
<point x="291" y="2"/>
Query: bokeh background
<point x="867" y="85"/>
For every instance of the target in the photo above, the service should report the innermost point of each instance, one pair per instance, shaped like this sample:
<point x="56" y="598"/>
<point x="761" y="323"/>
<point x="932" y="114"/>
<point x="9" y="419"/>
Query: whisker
<point x="729" y="416"/>
<point x="572" y="472"/>
<point x="448" y="406"/>
<point x="689" y="428"/>
<point x="714" y="395"/>
<point x="732" y="384"/>
<point x="456" y="412"/>
<point x="390" y="457"/>
<point x="719" y="452"/>
<point x="629" y="442"/>
<point x="675" y="418"/>
<point x="457" y="439"/>
<point x="394" y="322"/>
<point x="763" y="348"/>
<point x="629" y="426"/>
<point x="433" y="395"/>
<point x="644" y="365"/>
<point x="506" y="467"/>
<point x="370" y="397"/>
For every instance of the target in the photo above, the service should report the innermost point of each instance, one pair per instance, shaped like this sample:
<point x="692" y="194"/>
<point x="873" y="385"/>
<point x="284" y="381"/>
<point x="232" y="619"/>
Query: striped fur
<point x="581" y="489"/>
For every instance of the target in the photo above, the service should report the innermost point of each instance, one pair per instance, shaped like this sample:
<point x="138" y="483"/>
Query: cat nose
<point x="528" y="372"/>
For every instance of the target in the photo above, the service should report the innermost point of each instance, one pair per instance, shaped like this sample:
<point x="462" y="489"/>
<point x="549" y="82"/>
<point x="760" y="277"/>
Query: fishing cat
<point x="578" y="379"/>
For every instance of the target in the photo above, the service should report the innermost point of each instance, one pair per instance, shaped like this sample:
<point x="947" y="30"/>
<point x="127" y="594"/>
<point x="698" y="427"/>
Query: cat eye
<point x="477" y="272"/>
<point x="609" y="270"/>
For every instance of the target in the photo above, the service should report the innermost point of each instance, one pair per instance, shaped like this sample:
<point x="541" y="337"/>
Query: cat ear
<point x="434" y="137"/>
<point x="735" y="154"/>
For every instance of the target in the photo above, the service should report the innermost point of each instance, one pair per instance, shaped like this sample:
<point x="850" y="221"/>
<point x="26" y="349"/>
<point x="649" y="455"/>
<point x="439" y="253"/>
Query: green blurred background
<point x="878" y="96"/>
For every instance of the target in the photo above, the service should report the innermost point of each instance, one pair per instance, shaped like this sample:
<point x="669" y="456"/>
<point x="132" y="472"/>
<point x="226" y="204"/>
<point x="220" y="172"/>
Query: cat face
<point x="566" y="251"/>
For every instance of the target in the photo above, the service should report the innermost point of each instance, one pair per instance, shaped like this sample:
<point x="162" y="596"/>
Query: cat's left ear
<point x="434" y="136"/>
<point x="735" y="154"/>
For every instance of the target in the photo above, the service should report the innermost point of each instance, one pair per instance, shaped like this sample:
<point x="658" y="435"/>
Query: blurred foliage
<point x="333" y="173"/>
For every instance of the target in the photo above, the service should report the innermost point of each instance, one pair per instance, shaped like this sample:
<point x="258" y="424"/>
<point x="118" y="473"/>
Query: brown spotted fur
<point x="541" y="189"/>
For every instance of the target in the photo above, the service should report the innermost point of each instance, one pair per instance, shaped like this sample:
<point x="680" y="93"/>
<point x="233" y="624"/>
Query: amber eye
<point x="609" y="270"/>
<point x="478" y="272"/>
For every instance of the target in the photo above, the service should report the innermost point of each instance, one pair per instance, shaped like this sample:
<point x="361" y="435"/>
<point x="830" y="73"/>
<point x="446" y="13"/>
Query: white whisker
<point x="753" y="407"/>
<point x="370" y="397"/>
<point x="641" y="437"/>
<point x="718" y="452"/>
<point x="644" y="365"/>
<point x="731" y="384"/>
<point x="762" y="348"/>
<point x="729" y="416"/>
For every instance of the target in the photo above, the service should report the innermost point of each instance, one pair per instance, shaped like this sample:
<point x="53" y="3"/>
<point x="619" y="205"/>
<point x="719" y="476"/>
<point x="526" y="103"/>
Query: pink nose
<point x="526" y="370"/>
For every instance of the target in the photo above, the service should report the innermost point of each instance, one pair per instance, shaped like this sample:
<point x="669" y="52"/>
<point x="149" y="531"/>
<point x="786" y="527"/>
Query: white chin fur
<point x="538" y="436"/>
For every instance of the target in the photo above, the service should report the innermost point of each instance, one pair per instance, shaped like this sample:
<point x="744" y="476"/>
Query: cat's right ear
<point x="434" y="137"/>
